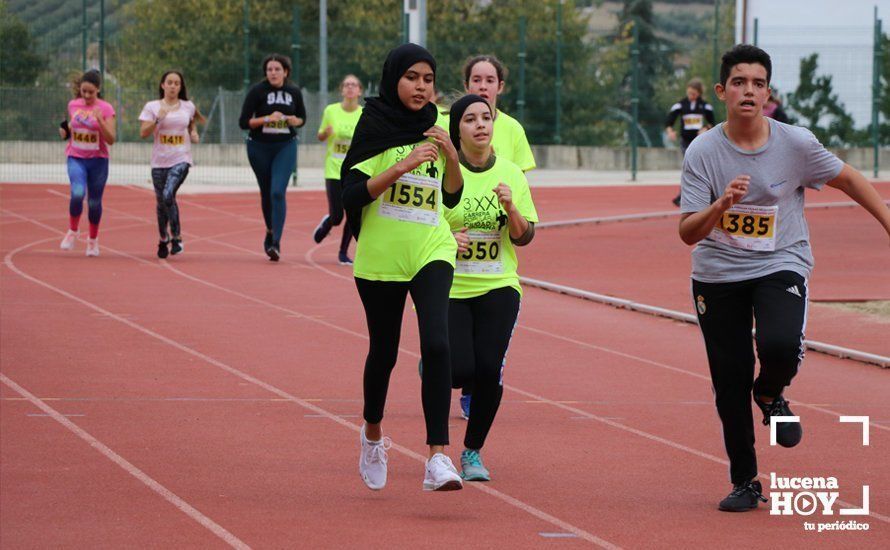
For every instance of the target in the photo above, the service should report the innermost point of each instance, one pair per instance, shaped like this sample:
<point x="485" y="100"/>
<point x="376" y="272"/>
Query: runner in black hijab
<point x="394" y="176"/>
<point x="385" y="123"/>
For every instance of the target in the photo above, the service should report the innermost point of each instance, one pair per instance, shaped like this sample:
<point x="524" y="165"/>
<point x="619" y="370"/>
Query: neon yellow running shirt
<point x="404" y="228"/>
<point x="338" y="143"/>
<point x="442" y="118"/>
<point x="509" y="142"/>
<point x="491" y="261"/>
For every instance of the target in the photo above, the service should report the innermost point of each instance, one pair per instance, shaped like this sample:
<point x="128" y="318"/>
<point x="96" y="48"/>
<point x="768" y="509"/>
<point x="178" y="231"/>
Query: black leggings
<point x="480" y="329"/>
<point x="778" y="304"/>
<point x="384" y="303"/>
<point x="335" y="212"/>
<point x="166" y="183"/>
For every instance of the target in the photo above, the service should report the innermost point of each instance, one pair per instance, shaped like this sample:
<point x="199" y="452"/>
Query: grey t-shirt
<point x="766" y="232"/>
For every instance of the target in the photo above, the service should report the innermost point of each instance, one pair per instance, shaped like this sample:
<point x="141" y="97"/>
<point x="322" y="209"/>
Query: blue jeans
<point x="166" y="182"/>
<point x="273" y="163"/>
<point x="87" y="177"/>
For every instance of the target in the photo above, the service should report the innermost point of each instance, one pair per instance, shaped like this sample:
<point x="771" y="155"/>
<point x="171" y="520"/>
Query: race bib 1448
<point x="88" y="140"/>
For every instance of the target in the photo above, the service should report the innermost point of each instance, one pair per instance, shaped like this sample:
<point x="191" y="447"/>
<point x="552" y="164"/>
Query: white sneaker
<point x="93" y="247"/>
<point x="69" y="240"/>
<point x="441" y="475"/>
<point x="372" y="461"/>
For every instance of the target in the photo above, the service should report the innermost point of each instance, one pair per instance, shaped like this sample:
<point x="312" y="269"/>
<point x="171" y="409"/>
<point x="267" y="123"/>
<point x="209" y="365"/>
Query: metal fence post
<point x="83" y="37"/>
<point x="714" y="72"/>
<point x="223" y="138"/>
<point x="102" y="38"/>
<point x="520" y="101"/>
<point x="295" y="44"/>
<point x="404" y="28"/>
<point x="876" y="94"/>
<point x="558" y="133"/>
<point x="295" y="75"/>
<point x="635" y="97"/>
<point x="246" y="79"/>
<point x="756" y="30"/>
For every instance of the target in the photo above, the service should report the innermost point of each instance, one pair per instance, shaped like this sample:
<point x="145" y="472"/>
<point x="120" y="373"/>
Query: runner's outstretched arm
<point x="854" y="184"/>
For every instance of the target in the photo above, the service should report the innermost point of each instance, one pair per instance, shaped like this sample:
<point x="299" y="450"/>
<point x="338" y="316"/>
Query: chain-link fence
<point x="571" y="67"/>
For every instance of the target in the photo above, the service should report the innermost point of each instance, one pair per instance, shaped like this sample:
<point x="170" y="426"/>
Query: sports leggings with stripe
<point x="480" y="330"/>
<point x="384" y="303"/>
<point x="727" y="312"/>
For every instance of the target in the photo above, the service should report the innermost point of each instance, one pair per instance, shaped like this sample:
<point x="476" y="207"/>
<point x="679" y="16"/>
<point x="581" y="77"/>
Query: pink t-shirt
<point x="86" y="141"/>
<point x="172" y="145"/>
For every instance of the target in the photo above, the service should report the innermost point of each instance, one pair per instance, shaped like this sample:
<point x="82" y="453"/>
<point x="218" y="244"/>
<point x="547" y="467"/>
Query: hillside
<point x="57" y="24"/>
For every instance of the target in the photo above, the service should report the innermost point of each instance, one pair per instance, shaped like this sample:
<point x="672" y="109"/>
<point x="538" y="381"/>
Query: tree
<point x="494" y="28"/>
<point x="701" y="61"/>
<point x="655" y="62"/>
<point x="205" y="39"/>
<point x="20" y="64"/>
<point x="884" y="99"/>
<point x="819" y="108"/>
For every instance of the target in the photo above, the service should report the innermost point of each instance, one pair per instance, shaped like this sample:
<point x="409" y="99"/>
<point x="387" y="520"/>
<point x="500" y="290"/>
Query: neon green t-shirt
<point x="442" y="118"/>
<point x="405" y="227"/>
<point x="491" y="261"/>
<point x="509" y="142"/>
<point x="338" y="143"/>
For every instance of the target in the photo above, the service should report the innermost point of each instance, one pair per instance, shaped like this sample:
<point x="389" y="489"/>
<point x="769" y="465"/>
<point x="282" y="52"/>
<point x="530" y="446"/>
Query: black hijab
<point x="457" y="112"/>
<point x="385" y="121"/>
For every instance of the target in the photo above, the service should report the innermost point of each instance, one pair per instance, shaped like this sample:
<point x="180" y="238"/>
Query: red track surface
<point x="225" y="388"/>
<point x="645" y="260"/>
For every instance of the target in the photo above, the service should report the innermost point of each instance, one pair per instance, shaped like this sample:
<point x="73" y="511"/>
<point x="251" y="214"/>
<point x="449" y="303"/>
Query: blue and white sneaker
<point x="465" y="406"/>
<point x="472" y="468"/>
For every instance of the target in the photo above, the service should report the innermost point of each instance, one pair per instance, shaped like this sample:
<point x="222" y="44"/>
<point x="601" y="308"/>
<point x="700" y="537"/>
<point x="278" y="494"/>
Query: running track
<point x="212" y="399"/>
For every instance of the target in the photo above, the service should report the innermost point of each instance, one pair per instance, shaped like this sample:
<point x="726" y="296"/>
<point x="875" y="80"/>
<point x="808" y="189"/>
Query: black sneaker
<point x="274" y="252"/>
<point x="176" y="247"/>
<point x="267" y="242"/>
<point x="162" y="249"/>
<point x="744" y="496"/>
<point x="788" y="434"/>
<point x="322" y="229"/>
<point x="676" y="201"/>
<point x="344" y="259"/>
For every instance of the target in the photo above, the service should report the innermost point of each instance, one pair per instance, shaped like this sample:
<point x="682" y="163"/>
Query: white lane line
<point x="516" y="503"/>
<point x="309" y="258"/>
<point x="660" y="365"/>
<point x="603" y="419"/>
<point x="147" y="480"/>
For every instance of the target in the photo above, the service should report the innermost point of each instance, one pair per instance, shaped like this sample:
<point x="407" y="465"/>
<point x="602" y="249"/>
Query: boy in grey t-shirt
<point x="742" y="194"/>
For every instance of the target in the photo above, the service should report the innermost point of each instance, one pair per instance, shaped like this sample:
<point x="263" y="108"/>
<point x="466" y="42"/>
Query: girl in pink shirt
<point x="171" y="120"/>
<point x="89" y="131"/>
